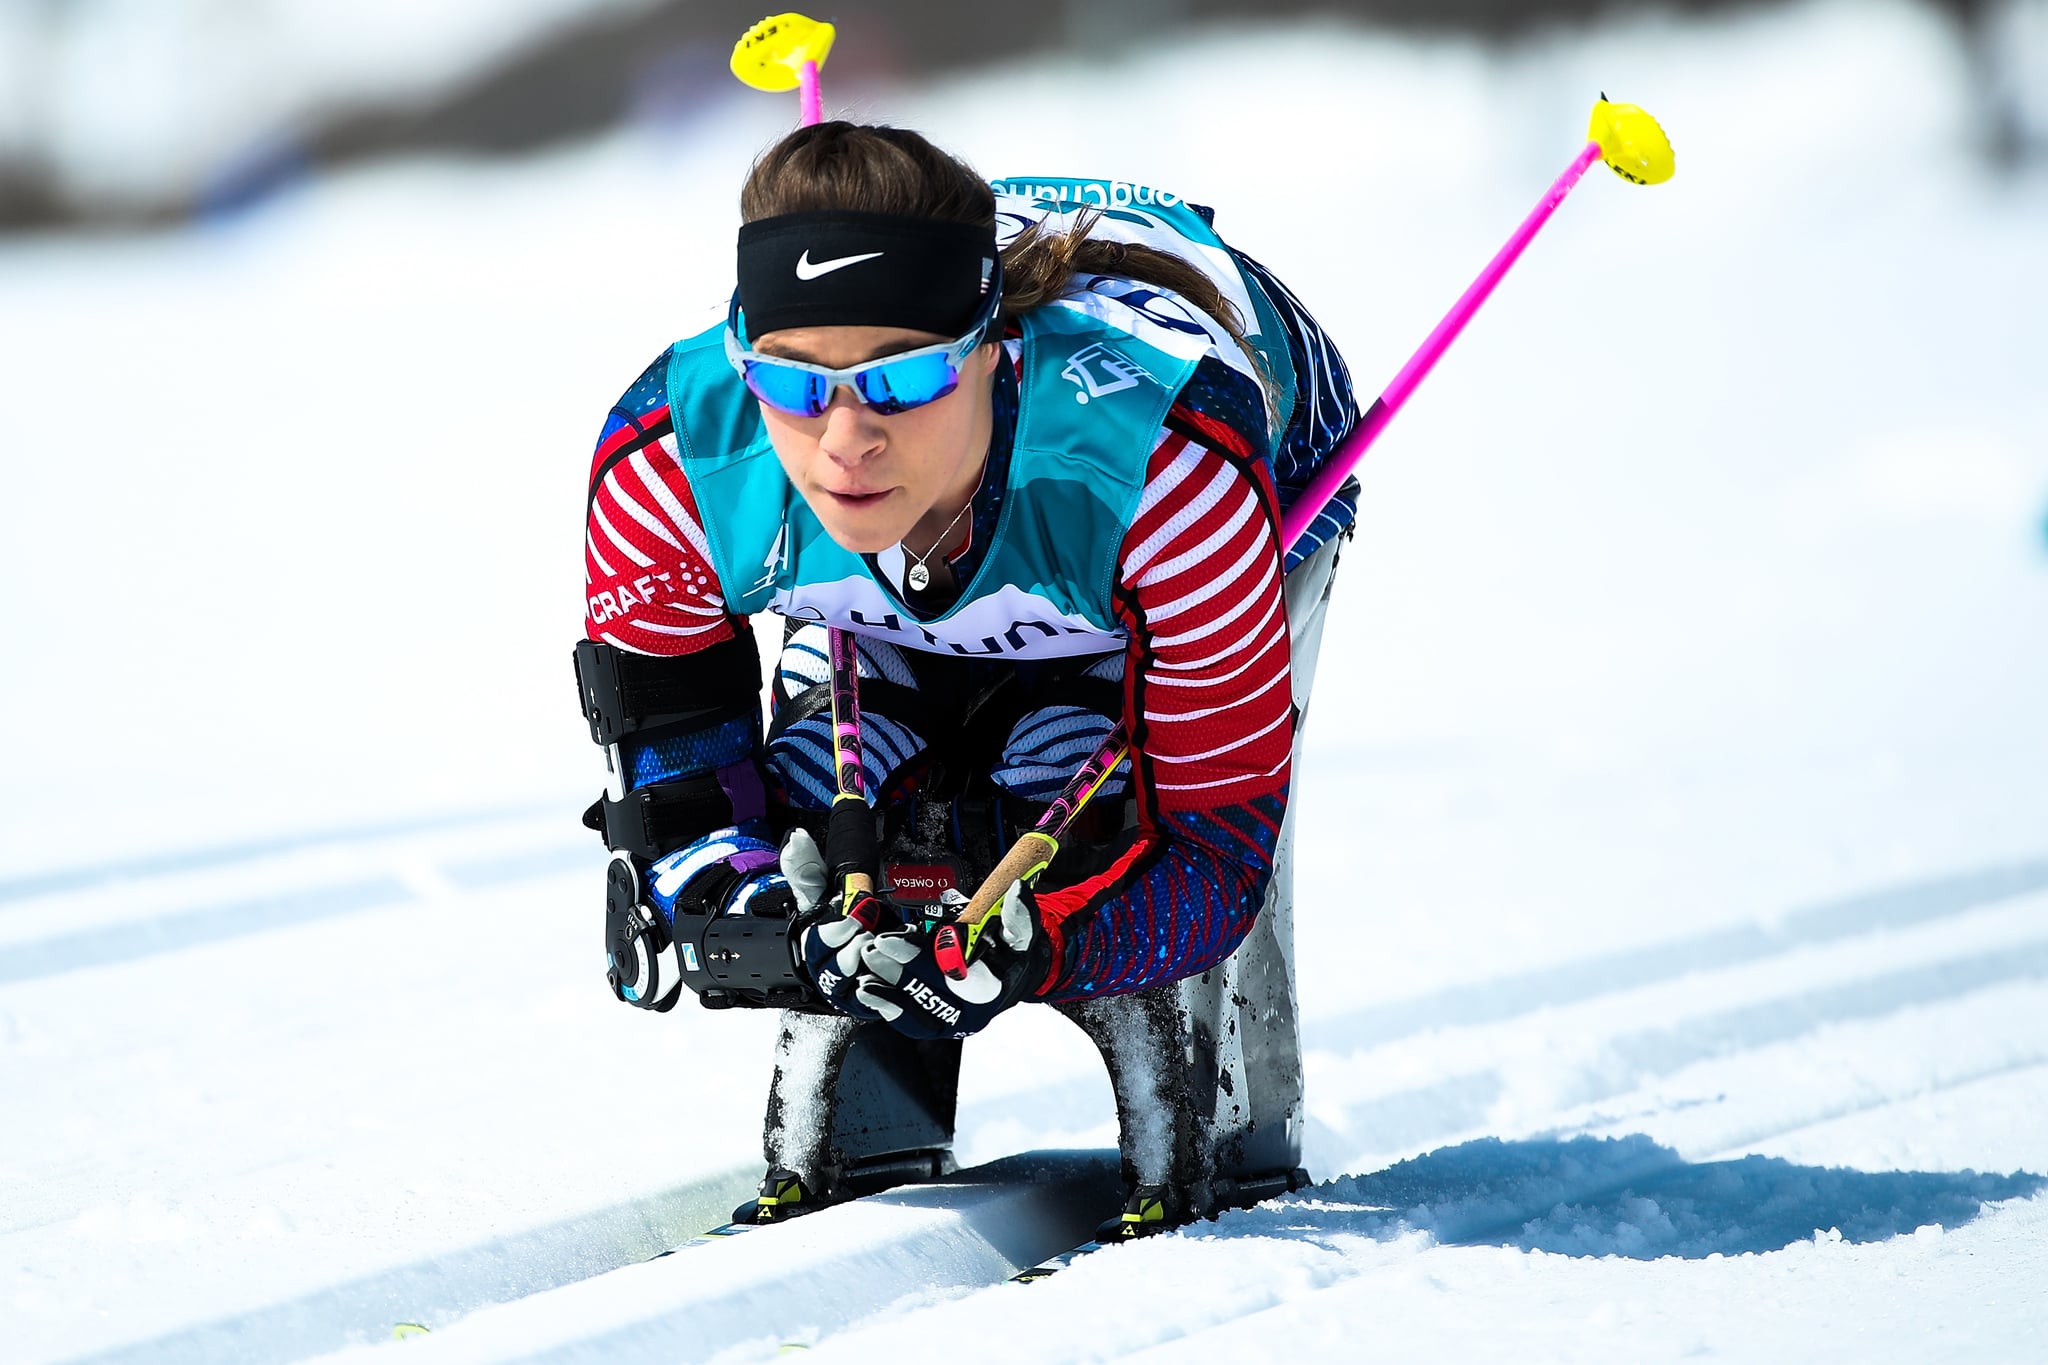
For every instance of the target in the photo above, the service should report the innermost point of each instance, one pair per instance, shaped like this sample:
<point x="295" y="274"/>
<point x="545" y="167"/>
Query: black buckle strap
<point x="654" y="820"/>
<point x="621" y="692"/>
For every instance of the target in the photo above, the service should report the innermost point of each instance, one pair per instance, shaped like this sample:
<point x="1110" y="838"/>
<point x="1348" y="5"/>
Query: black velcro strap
<point x="621" y="692"/>
<point x="656" y="820"/>
<point x="877" y="695"/>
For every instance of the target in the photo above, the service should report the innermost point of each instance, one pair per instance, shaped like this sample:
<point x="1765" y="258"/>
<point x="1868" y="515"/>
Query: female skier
<point x="1030" y="445"/>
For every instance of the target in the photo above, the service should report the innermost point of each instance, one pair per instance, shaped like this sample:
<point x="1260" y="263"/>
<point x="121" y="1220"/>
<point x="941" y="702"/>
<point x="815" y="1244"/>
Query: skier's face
<point x="874" y="480"/>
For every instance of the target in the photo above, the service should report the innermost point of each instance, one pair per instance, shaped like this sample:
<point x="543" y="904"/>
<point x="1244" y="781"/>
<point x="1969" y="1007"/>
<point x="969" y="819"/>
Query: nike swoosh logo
<point x="806" y="270"/>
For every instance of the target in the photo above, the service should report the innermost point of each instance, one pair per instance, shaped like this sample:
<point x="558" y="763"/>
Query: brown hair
<point x="873" y="168"/>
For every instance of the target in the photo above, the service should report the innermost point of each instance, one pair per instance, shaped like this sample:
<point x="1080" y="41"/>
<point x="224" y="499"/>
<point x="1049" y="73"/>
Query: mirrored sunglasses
<point x="889" y="384"/>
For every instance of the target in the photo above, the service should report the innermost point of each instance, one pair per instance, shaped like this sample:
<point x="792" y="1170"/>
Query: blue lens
<point x="787" y="389"/>
<point x="887" y="386"/>
<point x="893" y="386"/>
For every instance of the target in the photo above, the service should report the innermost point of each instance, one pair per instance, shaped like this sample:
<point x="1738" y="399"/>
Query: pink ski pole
<point x="781" y="52"/>
<point x="1632" y="144"/>
<point x="1640" y="153"/>
<point x="813" y="104"/>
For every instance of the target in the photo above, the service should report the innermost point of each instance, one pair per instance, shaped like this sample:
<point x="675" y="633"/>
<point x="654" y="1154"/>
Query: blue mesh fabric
<point x="647" y="397"/>
<point x="679" y="756"/>
<point x="1325" y="411"/>
<point x="805" y="663"/>
<point x="1046" y="748"/>
<point x="801" y="757"/>
<point x="1189" y="910"/>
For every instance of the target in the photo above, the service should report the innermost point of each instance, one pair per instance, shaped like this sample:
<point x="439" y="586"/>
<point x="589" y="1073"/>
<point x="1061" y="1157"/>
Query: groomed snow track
<point x="450" y="1285"/>
<point x="1899" y="996"/>
<point x="813" y="1276"/>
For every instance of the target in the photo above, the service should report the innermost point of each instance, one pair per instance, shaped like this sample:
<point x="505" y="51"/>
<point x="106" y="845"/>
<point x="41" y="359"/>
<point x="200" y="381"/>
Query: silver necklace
<point x="919" y="578"/>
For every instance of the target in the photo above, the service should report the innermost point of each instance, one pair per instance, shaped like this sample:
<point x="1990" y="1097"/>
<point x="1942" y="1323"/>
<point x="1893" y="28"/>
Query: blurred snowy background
<point x="1679" y="766"/>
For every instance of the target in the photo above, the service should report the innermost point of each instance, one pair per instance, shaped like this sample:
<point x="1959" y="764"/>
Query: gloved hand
<point x="722" y="873"/>
<point x="902" y="979"/>
<point x="830" y="936"/>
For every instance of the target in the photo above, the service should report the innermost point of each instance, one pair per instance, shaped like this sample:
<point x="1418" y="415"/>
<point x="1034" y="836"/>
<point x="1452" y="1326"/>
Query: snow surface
<point x="1673" y="883"/>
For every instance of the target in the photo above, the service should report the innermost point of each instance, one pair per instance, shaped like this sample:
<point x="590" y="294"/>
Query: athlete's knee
<point x="1050" y="741"/>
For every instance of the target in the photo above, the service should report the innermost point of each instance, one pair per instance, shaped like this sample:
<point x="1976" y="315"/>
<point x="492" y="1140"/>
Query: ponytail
<point x="1040" y="266"/>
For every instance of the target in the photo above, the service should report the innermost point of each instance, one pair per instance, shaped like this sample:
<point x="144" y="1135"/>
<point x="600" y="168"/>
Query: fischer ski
<point x="1054" y="1264"/>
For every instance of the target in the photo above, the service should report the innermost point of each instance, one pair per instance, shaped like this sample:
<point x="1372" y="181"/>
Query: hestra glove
<point x="903" y="982"/>
<point x="831" y="939"/>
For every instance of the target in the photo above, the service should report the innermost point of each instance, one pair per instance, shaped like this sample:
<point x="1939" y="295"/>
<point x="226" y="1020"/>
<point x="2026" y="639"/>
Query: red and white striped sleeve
<point x="1208" y="696"/>
<point x="649" y="585"/>
<point x="1200" y="588"/>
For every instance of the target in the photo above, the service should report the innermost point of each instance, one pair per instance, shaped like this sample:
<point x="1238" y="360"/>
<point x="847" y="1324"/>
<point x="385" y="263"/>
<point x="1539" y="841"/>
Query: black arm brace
<point x="725" y="959"/>
<point x="649" y="696"/>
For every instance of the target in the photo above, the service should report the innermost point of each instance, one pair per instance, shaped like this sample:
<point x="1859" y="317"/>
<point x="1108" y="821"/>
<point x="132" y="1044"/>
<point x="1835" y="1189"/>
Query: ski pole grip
<point x="1022" y="863"/>
<point x="850" y="849"/>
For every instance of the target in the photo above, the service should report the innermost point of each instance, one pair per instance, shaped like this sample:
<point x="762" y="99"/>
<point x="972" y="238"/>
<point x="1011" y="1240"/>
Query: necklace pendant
<point x="919" y="578"/>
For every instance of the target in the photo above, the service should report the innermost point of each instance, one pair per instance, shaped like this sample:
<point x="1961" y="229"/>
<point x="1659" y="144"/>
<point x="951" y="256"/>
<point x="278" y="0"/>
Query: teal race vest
<point x="1090" y="403"/>
<point x="1098" y="372"/>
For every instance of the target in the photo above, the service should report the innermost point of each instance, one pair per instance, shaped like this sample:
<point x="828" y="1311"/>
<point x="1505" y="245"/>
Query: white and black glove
<point x="728" y="871"/>
<point x="951" y="983"/>
<point x="830" y="935"/>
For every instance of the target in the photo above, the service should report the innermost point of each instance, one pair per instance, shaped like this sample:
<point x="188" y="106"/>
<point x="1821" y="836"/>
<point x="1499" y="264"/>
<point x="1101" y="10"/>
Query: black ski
<point x="720" y="1233"/>
<point x="1054" y="1264"/>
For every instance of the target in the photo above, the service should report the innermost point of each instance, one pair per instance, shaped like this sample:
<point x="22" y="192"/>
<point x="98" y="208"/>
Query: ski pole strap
<point x="851" y="850"/>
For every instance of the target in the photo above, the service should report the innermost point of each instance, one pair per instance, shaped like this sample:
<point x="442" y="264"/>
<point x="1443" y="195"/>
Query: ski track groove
<point x="105" y="946"/>
<point x="1751" y="1137"/>
<point x="1405" y="1118"/>
<point x="454" y="1283"/>
<point x="1460" y="1104"/>
<point x="171" y="930"/>
<point x="1410" y="1119"/>
<point x="1503" y="998"/>
<point x="84" y="875"/>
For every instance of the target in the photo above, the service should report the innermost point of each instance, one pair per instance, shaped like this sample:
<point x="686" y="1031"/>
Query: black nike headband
<point x="834" y="268"/>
